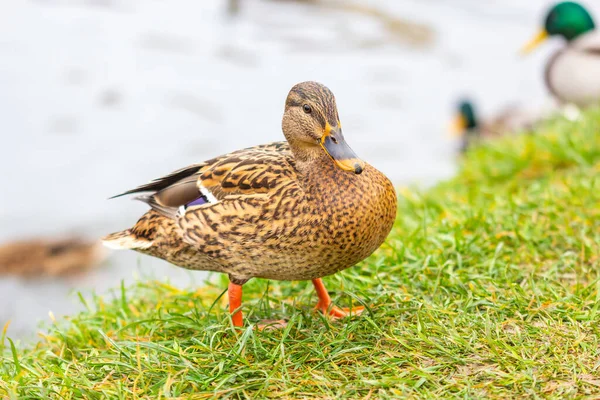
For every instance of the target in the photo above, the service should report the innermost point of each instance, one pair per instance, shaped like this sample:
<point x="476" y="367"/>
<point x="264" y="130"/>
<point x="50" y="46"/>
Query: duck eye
<point x="307" y="109"/>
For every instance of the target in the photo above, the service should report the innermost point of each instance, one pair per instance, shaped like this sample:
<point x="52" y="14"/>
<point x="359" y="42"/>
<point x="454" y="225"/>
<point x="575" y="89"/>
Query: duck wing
<point x="248" y="172"/>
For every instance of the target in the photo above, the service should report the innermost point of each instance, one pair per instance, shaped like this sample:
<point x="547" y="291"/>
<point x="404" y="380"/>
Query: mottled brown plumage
<point x="286" y="211"/>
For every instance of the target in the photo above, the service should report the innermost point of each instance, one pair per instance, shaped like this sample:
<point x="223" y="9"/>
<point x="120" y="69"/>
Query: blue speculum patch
<point x="198" y="202"/>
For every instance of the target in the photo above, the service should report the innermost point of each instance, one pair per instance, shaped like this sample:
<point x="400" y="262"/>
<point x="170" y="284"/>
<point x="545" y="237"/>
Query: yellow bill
<point x="535" y="42"/>
<point x="458" y="126"/>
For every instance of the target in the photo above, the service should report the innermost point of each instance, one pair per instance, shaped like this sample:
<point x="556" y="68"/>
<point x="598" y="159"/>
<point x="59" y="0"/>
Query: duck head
<point x="312" y="127"/>
<point x="567" y="19"/>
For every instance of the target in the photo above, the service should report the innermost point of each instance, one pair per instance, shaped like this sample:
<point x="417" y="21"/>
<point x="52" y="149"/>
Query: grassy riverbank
<point x="488" y="286"/>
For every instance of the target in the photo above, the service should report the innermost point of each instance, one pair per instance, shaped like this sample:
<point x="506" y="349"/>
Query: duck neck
<point x="320" y="176"/>
<point x="312" y="162"/>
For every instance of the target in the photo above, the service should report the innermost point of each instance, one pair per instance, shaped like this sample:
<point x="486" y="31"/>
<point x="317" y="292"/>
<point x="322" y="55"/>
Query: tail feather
<point x="126" y="240"/>
<point x="164" y="182"/>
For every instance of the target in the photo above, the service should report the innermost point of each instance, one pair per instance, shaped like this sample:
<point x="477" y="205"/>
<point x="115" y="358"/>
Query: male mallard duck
<point x="49" y="257"/>
<point x="286" y="211"/>
<point x="572" y="73"/>
<point x="469" y="127"/>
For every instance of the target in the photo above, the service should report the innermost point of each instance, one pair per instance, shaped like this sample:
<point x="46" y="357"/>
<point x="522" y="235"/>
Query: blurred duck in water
<point x="572" y="73"/>
<point x="470" y="127"/>
<point x="42" y="258"/>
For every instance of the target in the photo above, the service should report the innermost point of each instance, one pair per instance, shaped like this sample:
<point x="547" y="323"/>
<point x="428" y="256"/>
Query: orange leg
<point x="235" y="301"/>
<point x="325" y="302"/>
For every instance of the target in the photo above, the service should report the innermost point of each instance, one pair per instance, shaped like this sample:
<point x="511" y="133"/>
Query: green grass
<point x="488" y="286"/>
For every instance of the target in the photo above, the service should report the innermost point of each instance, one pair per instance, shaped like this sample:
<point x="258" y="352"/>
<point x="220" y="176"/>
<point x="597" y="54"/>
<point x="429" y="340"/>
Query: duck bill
<point x="342" y="155"/>
<point x="458" y="126"/>
<point x="535" y="42"/>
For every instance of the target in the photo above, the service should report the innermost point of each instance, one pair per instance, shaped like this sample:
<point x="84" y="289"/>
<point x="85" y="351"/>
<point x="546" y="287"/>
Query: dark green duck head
<point x="567" y="19"/>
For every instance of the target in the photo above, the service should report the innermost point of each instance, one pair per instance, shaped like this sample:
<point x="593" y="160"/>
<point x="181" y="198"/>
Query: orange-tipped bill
<point x="342" y="155"/>
<point x="535" y="42"/>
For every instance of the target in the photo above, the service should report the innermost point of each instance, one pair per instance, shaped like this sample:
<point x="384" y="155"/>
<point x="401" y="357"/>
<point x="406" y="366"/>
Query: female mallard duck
<point x="49" y="257"/>
<point x="572" y="73"/>
<point x="286" y="211"/>
<point x="469" y="127"/>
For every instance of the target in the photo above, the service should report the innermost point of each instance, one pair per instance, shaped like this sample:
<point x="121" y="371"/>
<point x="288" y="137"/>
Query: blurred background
<point x="99" y="96"/>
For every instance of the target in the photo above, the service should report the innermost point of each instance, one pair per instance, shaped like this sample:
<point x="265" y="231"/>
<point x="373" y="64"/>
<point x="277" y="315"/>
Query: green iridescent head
<point x="567" y="19"/>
